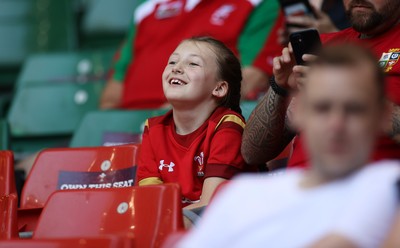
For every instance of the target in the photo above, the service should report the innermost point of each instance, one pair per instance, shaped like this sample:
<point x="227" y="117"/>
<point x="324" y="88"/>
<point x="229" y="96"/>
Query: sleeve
<point x="125" y="55"/>
<point x="148" y="172"/>
<point x="225" y="159"/>
<point x="371" y="209"/>
<point x="271" y="48"/>
<point x="256" y="31"/>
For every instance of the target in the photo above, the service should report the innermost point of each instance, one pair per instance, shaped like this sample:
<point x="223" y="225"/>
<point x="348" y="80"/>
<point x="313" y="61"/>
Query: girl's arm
<point x="209" y="187"/>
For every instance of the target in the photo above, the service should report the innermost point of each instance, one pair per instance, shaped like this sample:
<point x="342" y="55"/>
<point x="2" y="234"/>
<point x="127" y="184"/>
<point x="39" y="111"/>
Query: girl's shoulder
<point x="225" y="117"/>
<point x="159" y="120"/>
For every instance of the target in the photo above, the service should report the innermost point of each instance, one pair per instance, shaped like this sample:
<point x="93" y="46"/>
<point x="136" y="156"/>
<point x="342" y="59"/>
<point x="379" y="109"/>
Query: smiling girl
<point x="197" y="143"/>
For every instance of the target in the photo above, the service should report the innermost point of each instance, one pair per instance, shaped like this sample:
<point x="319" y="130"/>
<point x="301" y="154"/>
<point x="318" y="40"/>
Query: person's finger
<point x="309" y="57"/>
<point x="290" y="47"/>
<point x="276" y="63"/>
<point x="301" y="69"/>
<point x="286" y="55"/>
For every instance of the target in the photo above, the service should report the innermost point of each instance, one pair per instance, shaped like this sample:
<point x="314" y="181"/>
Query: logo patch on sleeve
<point x="389" y="59"/>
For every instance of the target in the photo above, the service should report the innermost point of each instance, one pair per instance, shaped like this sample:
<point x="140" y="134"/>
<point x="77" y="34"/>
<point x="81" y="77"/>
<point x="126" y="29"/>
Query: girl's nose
<point x="177" y="68"/>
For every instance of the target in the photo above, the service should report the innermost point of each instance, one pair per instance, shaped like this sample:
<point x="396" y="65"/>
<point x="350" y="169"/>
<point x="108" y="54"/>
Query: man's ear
<point x="295" y="112"/>
<point x="386" y="122"/>
<point x="221" y="89"/>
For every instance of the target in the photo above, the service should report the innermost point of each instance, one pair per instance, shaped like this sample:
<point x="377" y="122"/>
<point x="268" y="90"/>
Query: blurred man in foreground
<point x="339" y="202"/>
<point x="376" y="25"/>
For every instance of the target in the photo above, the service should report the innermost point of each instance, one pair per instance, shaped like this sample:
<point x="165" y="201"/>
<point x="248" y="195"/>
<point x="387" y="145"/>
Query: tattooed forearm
<point x="267" y="131"/>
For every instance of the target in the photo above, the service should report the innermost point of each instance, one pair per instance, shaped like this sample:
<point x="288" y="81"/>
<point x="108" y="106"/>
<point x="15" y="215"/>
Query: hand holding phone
<point x="305" y="42"/>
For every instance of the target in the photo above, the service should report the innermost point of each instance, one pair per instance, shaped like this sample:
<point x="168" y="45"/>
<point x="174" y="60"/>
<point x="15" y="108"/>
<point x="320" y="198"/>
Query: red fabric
<point x="220" y="148"/>
<point x="272" y="47"/>
<point x="386" y="149"/>
<point x="388" y="41"/>
<point x="384" y="43"/>
<point x="157" y="38"/>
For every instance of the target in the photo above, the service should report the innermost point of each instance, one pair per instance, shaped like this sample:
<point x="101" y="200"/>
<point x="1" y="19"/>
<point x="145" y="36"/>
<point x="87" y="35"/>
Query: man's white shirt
<point x="273" y="211"/>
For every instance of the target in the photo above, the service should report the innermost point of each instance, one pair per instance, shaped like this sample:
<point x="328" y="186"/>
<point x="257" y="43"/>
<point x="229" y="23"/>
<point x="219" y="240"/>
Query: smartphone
<point x="305" y="42"/>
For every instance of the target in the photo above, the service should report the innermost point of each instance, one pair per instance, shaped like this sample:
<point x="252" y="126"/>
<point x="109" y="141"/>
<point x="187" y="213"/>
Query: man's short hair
<point x="351" y="55"/>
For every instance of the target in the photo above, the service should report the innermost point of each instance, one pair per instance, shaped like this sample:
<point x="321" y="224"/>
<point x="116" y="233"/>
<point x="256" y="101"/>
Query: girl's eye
<point x="171" y="62"/>
<point x="193" y="64"/>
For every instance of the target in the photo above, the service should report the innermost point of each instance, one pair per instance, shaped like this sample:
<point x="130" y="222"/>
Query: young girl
<point x="196" y="144"/>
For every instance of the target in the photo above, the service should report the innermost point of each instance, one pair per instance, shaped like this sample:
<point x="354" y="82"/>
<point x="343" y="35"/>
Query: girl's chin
<point x="177" y="99"/>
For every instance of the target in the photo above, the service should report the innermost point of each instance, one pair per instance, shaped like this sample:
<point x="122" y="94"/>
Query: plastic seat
<point x="14" y="27"/>
<point x="99" y="242"/>
<point x="7" y="179"/>
<point x="147" y="213"/>
<point x="54" y="91"/>
<point x="61" y="68"/>
<point x="247" y="107"/>
<point x="44" y="110"/>
<point x="105" y="23"/>
<point x="97" y="123"/>
<point x="8" y="216"/>
<point x="74" y="168"/>
<point x="42" y="116"/>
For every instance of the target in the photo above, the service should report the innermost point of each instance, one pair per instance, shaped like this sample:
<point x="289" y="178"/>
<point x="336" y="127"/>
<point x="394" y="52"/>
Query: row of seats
<point x="32" y="26"/>
<point x="58" y="94"/>
<point x="85" y="194"/>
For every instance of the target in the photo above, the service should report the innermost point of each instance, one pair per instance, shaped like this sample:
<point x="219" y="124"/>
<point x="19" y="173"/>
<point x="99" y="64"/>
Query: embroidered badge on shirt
<point x="389" y="59"/>
<point x="221" y="14"/>
<point x="170" y="9"/>
<point x="200" y="167"/>
<point x="170" y="166"/>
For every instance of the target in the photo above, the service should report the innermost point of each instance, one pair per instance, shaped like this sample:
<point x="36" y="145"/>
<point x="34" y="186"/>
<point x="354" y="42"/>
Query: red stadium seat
<point x="148" y="214"/>
<point x="74" y="168"/>
<point x="102" y="242"/>
<point x="8" y="217"/>
<point x="7" y="179"/>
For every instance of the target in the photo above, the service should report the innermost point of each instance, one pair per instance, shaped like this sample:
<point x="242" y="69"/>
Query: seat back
<point x="147" y="213"/>
<point x="51" y="109"/>
<point x="4" y="137"/>
<point x="7" y="178"/>
<point x="247" y="107"/>
<point x="8" y="216"/>
<point x="96" y="123"/>
<point x="78" y="168"/>
<point x="67" y="67"/>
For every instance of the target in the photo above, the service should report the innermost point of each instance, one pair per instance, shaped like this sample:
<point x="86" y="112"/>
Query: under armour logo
<point x="169" y="166"/>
